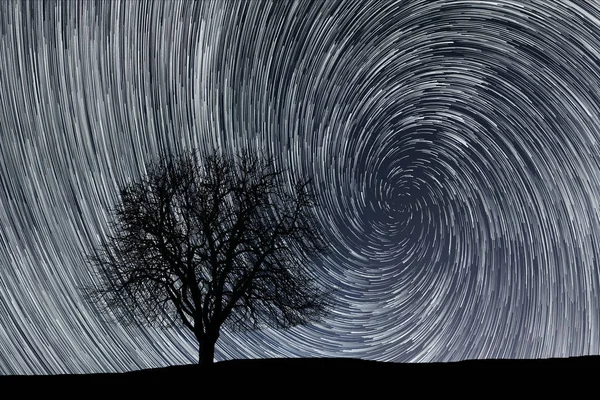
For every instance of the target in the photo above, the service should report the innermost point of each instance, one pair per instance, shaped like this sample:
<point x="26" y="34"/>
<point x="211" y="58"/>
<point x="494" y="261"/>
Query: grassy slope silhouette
<point x="301" y="365"/>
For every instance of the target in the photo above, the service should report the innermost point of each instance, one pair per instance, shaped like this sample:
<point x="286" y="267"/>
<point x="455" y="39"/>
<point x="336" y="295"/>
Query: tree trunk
<point x="206" y="353"/>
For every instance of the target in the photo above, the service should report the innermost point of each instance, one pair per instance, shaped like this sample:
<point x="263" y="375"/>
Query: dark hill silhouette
<point x="310" y="364"/>
<point x="303" y="377"/>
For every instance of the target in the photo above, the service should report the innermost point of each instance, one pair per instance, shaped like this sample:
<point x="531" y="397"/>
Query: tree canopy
<point x="212" y="241"/>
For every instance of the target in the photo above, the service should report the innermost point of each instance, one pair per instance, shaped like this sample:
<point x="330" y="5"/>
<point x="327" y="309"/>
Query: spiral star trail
<point x="454" y="146"/>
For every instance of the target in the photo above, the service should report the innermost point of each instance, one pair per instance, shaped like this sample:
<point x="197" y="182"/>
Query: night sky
<point x="454" y="146"/>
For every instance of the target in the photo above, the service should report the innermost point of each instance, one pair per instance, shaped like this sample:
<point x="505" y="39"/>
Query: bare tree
<point x="212" y="241"/>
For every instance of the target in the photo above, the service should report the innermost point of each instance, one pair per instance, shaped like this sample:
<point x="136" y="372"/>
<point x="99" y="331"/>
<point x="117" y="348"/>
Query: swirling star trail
<point x="454" y="145"/>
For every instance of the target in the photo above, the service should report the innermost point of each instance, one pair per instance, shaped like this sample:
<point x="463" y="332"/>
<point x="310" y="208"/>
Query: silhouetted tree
<point x="208" y="242"/>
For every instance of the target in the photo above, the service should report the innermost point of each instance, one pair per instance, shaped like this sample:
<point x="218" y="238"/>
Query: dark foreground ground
<point x="341" y="372"/>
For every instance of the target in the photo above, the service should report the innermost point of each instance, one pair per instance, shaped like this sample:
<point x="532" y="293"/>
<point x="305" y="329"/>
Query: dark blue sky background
<point x="454" y="146"/>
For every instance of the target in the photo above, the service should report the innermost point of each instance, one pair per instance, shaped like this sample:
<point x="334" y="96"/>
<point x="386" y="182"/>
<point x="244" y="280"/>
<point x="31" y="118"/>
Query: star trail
<point x="454" y="146"/>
